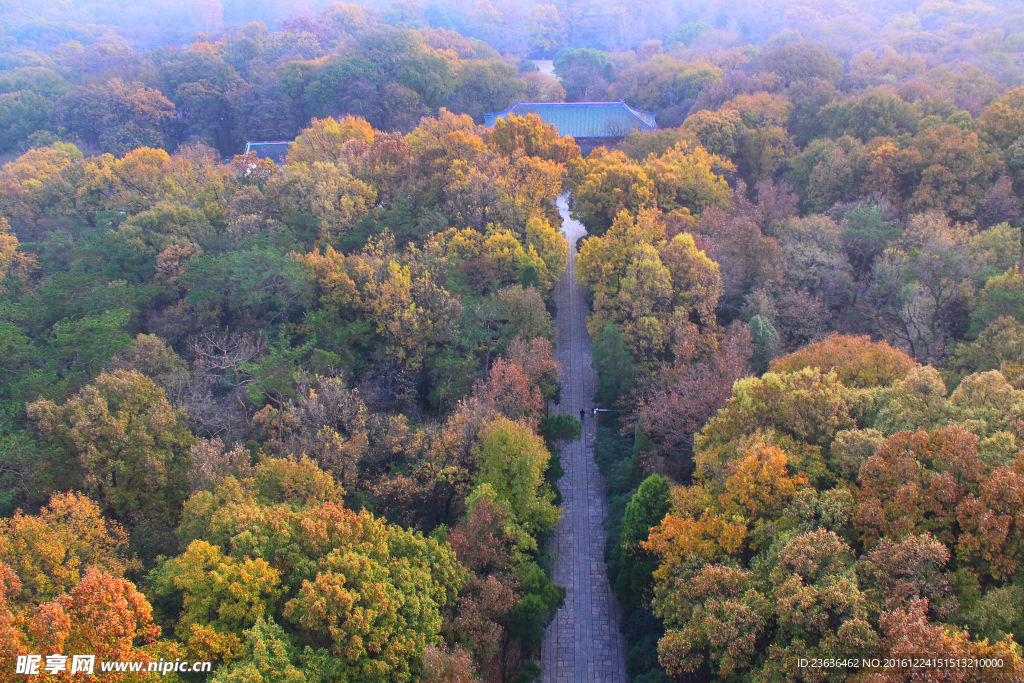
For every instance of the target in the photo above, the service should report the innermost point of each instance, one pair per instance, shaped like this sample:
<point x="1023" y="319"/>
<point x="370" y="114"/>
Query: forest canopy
<point x="302" y="419"/>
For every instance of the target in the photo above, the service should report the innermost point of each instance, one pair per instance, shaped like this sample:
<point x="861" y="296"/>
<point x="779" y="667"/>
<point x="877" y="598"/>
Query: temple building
<point x="592" y="124"/>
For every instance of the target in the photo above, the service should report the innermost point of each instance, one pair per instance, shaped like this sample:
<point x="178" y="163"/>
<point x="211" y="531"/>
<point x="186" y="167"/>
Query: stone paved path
<point x="583" y="643"/>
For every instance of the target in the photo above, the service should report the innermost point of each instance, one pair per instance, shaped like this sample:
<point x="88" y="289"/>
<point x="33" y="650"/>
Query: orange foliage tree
<point x="857" y="361"/>
<point x="62" y="591"/>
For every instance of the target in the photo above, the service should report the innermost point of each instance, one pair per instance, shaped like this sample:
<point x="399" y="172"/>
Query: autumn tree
<point x="663" y="82"/>
<point x="696" y="279"/>
<point x="327" y="191"/>
<point x="222" y="597"/>
<point x="50" y="552"/>
<point x="604" y="259"/>
<point x="734" y="238"/>
<point x="763" y="143"/>
<point x="63" y="587"/>
<point x="804" y="410"/>
<point x="102" y="615"/>
<point x="210" y="462"/>
<point x="688" y="179"/>
<point x="444" y="665"/>
<point x="857" y="361"/>
<point x="411" y="313"/>
<point x="908" y="629"/>
<point x="610" y="183"/>
<point x="814" y="258"/>
<point x="531" y="136"/>
<point x="326" y="421"/>
<point x="711" y="521"/>
<point x="120" y="440"/>
<point x="512" y="460"/>
<point x="719" y="132"/>
<point x="945" y="168"/>
<point x="900" y="573"/>
<point x="15" y="266"/>
<point x="485" y="542"/>
<point x="676" y="402"/>
<point x="957" y="170"/>
<point x="325" y="140"/>
<point x="363" y="597"/>
<point x="957" y="469"/>
<point x="713" y="612"/>
<point x="819" y="606"/>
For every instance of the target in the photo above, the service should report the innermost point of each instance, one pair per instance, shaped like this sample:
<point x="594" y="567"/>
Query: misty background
<point x="113" y="76"/>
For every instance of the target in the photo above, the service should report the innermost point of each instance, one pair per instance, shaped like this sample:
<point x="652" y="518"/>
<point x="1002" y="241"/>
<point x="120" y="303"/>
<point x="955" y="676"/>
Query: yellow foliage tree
<point x="327" y="140"/>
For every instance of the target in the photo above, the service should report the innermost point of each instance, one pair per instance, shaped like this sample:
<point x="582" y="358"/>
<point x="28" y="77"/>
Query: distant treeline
<point x="107" y="80"/>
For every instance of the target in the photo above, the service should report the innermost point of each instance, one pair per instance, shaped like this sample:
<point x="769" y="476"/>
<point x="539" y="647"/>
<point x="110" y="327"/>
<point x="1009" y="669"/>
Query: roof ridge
<point x="637" y="113"/>
<point x="269" y="142"/>
<point x="635" y="109"/>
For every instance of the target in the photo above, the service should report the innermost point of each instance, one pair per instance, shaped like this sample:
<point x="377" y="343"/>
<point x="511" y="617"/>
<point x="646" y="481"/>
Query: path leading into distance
<point x="583" y="643"/>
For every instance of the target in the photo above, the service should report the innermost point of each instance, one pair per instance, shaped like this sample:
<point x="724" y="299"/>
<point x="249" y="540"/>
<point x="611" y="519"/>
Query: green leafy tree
<point x="392" y="80"/>
<point x="21" y="114"/>
<point x="512" y="460"/>
<point x="221" y="598"/>
<point x="269" y="657"/>
<point x="646" y="509"/>
<point x="876" y="113"/>
<point x="253" y="287"/>
<point x="800" y="61"/>
<point x="72" y="351"/>
<point x="1003" y="296"/>
<point x="616" y="369"/>
<point x="585" y="73"/>
<point x="484" y="87"/>
<point x="919" y="289"/>
<point x="1000" y="346"/>
<point x="120" y="440"/>
<point x="116" y="115"/>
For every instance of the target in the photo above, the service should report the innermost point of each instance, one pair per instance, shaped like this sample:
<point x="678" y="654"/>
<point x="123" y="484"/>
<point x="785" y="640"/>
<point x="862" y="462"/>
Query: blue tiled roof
<point x="583" y="119"/>
<point x="275" y="151"/>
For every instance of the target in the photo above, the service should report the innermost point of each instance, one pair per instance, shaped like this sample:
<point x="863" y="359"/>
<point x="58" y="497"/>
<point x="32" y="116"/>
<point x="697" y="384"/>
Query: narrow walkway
<point x="583" y="643"/>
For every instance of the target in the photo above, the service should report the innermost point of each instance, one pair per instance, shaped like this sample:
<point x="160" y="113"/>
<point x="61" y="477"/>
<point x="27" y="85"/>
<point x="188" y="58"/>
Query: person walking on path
<point x="582" y="414"/>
